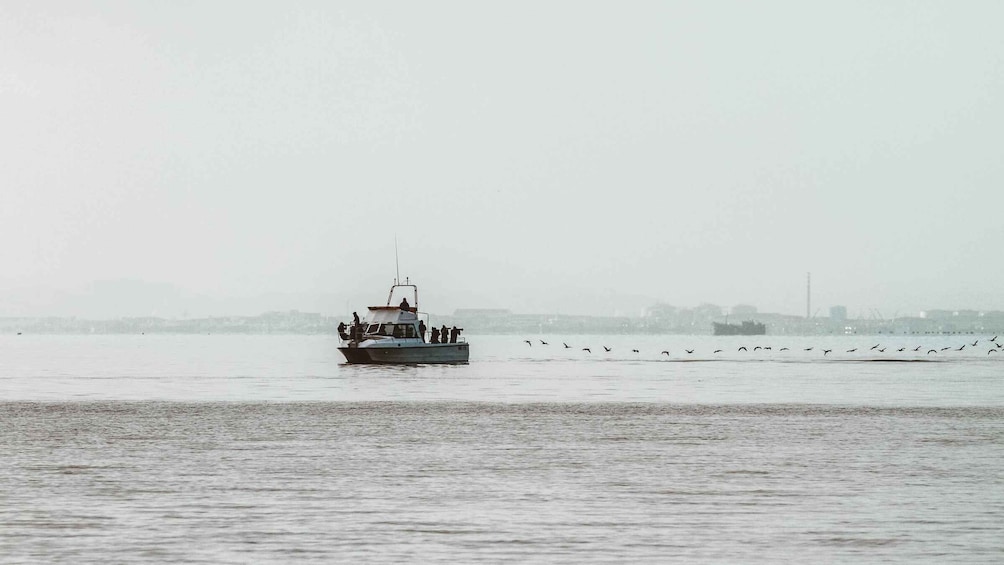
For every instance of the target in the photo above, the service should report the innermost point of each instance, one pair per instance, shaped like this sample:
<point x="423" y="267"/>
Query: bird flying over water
<point x="930" y="351"/>
<point x="718" y="351"/>
<point x="607" y="349"/>
<point x="566" y="345"/>
<point x="882" y="350"/>
<point x="901" y="349"/>
<point x="586" y="349"/>
<point x="945" y="348"/>
<point x="917" y="348"/>
<point x="689" y="350"/>
<point x="975" y="342"/>
<point x="742" y="348"/>
<point x="542" y="342"/>
<point x="757" y="348"/>
<point x="528" y="342"/>
<point x="634" y="351"/>
<point x="825" y="351"/>
<point x="784" y="349"/>
<point x="666" y="352"/>
<point x="807" y="349"/>
<point x="961" y="348"/>
<point x="852" y="350"/>
<point x="875" y="346"/>
<point x="994" y="338"/>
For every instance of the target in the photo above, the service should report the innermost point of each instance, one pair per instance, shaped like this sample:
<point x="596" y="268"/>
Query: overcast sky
<point x="523" y="152"/>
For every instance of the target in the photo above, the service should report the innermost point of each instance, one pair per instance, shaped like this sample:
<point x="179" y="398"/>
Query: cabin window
<point x="373" y="329"/>
<point x="398" y="330"/>
<point x="409" y="331"/>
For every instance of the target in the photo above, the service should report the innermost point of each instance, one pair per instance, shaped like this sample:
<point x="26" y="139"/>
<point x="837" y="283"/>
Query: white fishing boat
<point x="395" y="335"/>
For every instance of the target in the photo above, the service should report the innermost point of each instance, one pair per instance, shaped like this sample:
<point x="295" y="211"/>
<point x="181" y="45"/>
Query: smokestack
<point x="808" y="296"/>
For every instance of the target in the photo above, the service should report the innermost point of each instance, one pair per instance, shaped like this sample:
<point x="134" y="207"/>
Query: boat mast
<point x="397" y="264"/>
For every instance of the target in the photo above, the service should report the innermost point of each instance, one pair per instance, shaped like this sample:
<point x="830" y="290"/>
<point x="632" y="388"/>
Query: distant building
<point x="937" y="314"/>
<point x="838" y="313"/>
<point x="743" y="311"/>
<point x="661" y="312"/>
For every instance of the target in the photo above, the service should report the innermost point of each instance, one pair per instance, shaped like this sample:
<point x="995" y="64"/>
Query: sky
<point x="572" y="157"/>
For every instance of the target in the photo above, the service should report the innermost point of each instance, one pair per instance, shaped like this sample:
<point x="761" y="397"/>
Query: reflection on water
<point x="468" y="482"/>
<point x="238" y="449"/>
<point x="504" y="369"/>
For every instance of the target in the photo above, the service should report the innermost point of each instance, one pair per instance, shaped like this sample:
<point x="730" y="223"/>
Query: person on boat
<point x="435" y="336"/>
<point x="341" y="331"/>
<point x="356" y="327"/>
<point x="405" y="305"/>
<point x="454" y="333"/>
<point x="444" y="334"/>
<point x="421" y="330"/>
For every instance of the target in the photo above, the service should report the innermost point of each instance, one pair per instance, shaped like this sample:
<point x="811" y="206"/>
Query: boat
<point x="746" y="328"/>
<point x="393" y="335"/>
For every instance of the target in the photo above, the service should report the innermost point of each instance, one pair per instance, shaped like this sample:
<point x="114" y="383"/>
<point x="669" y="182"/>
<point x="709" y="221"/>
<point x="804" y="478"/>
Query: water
<point x="268" y="449"/>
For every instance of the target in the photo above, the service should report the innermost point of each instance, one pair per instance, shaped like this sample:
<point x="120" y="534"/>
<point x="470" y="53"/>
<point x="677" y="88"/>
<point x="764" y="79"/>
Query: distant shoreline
<point x="294" y="322"/>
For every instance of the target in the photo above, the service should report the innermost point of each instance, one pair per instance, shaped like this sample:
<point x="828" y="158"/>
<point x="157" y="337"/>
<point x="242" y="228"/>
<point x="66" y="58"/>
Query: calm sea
<point x="221" y="449"/>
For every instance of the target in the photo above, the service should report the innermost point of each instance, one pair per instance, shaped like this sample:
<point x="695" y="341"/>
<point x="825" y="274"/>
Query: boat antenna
<point x="397" y="265"/>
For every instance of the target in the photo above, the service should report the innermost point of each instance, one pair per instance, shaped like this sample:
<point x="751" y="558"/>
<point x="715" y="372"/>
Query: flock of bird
<point x="995" y="347"/>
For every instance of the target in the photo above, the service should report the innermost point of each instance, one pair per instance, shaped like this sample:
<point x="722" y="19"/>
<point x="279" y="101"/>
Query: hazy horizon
<point x="559" y="157"/>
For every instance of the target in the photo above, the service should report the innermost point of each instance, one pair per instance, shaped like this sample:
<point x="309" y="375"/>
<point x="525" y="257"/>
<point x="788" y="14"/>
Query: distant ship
<point x="746" y="328"/>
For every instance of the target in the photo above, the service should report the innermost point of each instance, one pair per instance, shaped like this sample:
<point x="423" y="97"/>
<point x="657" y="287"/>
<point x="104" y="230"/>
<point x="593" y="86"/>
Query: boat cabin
<point x="391" y="321"/>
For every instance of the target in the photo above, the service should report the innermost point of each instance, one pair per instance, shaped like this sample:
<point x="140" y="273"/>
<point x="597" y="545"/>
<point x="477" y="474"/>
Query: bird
<point x="718" y="351"/>
<point x="767" y="348"/>
<point x="566" y="345"/>
<point x="961" y="348"/>
<point x="917" y="348"/>
<point x="757" y="348"/>
<point x="991" y="351"/>
<point x="875" y="346"/>
<point x="901" y="349"/>
<point x="852" y="350"/>
<point x="882" y="350"/>
<point x="930" y="351"/>
<point x="994" y="338"/>
<point x="607" y="349"/>
<point x="528" y="342"/>
<point x="634" y="351"/>
<point x="666" y="352"/>
<point x="807" y="349"/>
<point x="975" y="342"/>
<point x="945" y="348"/>
<point x="542" y="342"/>
<point x="825" y="351"/>
<point x="742" y="348"/>
<point x="586" y="349"/>
<point x="689" y="350"/>
<point x="784" y="349"/>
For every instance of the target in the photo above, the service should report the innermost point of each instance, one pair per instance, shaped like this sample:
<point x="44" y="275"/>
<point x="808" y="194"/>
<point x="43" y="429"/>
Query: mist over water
<point x="265" y="448"/>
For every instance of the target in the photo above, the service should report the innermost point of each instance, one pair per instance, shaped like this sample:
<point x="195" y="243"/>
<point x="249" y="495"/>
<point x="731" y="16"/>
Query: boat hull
<point x="431" y="353"/>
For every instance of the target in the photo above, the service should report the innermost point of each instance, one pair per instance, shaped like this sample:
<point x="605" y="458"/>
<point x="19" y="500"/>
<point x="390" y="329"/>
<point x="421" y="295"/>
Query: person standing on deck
<point x="421" y="330"/>
<point x="404" y="304"/>
<point x="435" y="336"/>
